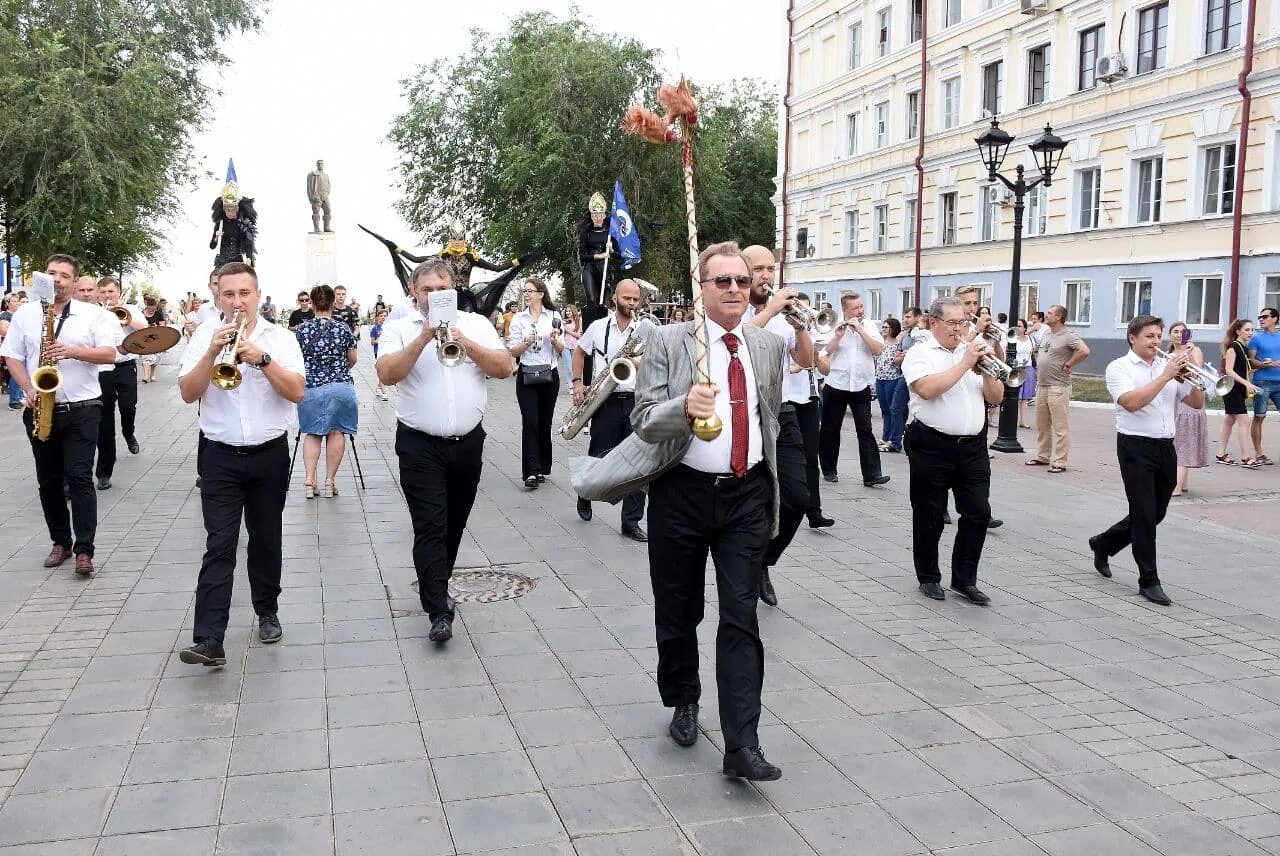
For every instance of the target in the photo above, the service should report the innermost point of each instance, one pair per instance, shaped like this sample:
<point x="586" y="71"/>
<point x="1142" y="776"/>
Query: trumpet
<point x="123" y="314"/>
<point x="450" y="351"/>
<point x="997" y="333"/>
<point x="992" y="366"/>
<point x="225" y="374"/>
<point x="820" y="321"/>
<point x="1203" y="378"/>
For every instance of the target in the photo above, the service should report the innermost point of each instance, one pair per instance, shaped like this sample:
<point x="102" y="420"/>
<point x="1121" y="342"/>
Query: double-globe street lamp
<point x="1047" y="151"/>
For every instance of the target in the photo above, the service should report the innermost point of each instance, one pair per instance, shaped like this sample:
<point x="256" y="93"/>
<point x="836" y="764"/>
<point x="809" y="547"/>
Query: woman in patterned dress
<point x="1190" y="426"/>
<point x="328" y="410"/>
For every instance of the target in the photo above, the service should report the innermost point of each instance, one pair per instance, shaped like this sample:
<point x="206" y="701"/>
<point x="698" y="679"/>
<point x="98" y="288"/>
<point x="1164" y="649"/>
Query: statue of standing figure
<point x="318" y="196"/>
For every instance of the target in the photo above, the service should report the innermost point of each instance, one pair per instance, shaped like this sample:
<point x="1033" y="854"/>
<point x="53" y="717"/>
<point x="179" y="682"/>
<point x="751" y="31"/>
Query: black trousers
<point x="67" y="458"/>
<point x="248" y="482"/>
<point x="807" y="416"/>
<point x="537" y="407"/>
<point x="593" y="280"/>
<point x="834" y="403"/>
<point x="610" y="425"/>
<point x="439" y="477"/>
<point x="1149" y="468"/>
<point x="793" y="489"/>
<point x="691" y="514"/>
<point x="119" y="386"/>
<point x="940" y="463"/>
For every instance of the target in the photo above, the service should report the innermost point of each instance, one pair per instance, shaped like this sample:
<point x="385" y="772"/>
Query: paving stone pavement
<point x="1070" y="717"/>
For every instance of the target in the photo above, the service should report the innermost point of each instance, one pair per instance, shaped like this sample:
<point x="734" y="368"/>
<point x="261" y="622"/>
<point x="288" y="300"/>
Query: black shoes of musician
<point x="635" y="533"/>
<point x="831" y="477"/>
<point x="132" y="443"/>
<point x="198" y="480"/>
<point x="749" y="763"/>
<point x="818" y="521"/>
<point x="541" y="478"/>
<point x="973" y="593"/>
<point x="1155" y="594"/>
<point x="995" y="523"/>
<point x="584" y="508"/>
<point x="767" y="594"/>
<point x="531" y="482"/>
<point x="933" y="591"/>
<point x="207" y="652"/>
<point x="684" y="724"/>
<point x="104" y="482"/>
<point x="1100" y="558"/>
<point x="441" y="629"/>
<point x="876" y="482"/>
<point x="269" y="630"/>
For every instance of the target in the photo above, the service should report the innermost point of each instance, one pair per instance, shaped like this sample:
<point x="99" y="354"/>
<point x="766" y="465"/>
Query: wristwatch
<point x="266" y="361"/>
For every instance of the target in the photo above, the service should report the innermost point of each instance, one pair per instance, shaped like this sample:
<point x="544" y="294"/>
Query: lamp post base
<point x="1007" y="440"/>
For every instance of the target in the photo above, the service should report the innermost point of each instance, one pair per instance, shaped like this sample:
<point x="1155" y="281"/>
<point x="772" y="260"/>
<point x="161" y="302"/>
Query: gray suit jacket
<point x="662" y="434"/>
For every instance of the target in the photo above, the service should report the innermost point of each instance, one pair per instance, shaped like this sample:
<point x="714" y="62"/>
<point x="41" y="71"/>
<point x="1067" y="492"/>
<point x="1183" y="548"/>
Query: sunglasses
<point x="724" y="280"/>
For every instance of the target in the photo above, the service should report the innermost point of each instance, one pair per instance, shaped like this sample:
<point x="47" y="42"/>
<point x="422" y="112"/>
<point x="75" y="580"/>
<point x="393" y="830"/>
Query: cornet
<point x="820" y="321"/>
<point x="225" y="374"/>
<point x="450" y="351"/>
<point x="1202" y="378"/>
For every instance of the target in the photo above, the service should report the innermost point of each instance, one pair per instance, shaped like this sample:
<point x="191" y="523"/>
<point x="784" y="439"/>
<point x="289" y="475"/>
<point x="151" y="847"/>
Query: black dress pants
<point x="1149" y="468"/>
<point x="834" y="403"/>
<point x="807" y="416"/>
<point x="793" y="490"/>
<point x="593" y="280"/>
<point x="439" y="477"/>
<point x="120" y="385"/>
<point x="66" y="458"/>
<point x="248" y="482"/>
<point x="940" y="463"/>
<point x="537" y="407"/>
<point x="693" y="513"/>
<point x="610" y="425"/>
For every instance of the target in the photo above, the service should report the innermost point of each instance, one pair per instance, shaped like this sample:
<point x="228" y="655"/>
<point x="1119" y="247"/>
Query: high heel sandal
<point x="330" y="490"/>
<point x="311" y="490"/>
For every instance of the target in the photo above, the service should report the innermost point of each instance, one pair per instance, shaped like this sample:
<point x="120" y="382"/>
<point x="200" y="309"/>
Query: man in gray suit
<point x="718" y="497"/>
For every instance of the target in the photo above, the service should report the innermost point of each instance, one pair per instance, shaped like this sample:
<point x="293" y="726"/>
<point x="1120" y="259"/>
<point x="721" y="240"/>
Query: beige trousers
<point x="1052" y="428"/>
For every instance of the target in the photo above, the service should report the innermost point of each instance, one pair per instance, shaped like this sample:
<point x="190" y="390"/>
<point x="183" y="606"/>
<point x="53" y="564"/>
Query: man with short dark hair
<point x="1264" y="356"/>
<point x="1060" y="350"/>
<point x="119" y="386"/>
<point x="848" y="361"/>
<point x="303" y="312"/>
<point x="344" y="312"/>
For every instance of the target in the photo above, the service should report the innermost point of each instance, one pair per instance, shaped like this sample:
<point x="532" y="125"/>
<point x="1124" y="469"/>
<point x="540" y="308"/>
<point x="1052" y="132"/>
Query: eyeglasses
<point x="724" y="280"/>
<point x="957" y="324"/>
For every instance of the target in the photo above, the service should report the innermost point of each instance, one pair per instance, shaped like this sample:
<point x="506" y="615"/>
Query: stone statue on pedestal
<point x="318" y="195"/>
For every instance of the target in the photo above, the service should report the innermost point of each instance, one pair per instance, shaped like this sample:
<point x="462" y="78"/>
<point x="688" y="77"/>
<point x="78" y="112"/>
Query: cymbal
<point x="151" y="340"/>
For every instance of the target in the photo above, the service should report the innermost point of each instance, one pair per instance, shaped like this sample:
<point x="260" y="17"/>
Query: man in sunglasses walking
<point x="1264" y="355"/>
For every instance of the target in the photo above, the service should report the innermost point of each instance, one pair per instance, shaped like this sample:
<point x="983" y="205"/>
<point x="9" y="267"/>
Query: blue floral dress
<point x="330" y="401"/>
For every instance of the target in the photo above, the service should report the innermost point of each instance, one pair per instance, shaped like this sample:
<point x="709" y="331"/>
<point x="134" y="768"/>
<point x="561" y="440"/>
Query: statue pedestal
<point x="321" y="259"/>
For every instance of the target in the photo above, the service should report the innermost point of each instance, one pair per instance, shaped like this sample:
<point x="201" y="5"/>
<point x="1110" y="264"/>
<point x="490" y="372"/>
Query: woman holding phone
<point x="1235" y="365"/>
<point x="1190" y="426"/>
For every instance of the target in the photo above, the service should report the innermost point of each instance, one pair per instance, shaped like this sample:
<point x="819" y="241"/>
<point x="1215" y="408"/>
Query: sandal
<point x="1225" y="458"/>
<point x="330" y="490"/>
<point x="1250" y="463"/>
<point x="311" y="489"/>
<point x="1057" y="469"/>
<point x="1036" y="462"/>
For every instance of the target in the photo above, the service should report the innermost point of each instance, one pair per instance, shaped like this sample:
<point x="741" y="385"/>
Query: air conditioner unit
<point x="1032" y="7"/>
<point x="1112" y="68"/>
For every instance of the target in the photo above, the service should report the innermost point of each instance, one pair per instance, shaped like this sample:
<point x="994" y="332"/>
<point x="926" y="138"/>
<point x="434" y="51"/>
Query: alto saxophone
<point x="621" y="369"/>
<point x="46" y="379"/>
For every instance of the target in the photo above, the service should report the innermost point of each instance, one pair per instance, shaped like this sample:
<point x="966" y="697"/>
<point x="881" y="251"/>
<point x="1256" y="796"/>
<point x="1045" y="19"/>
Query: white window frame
<point x="884" y="28"/>
<point x="1123" y="316"/>
<point x="949" y="103"/>
<point x="912" y="109"/>
<point x="852" y="129"/>
<point x="819" y="298"/>
<point x="1024" y="300"/>
<point x="906" y="297"/>
<point x="985" y="293"/>
<point x="1047" y="50"/>
<point x="909" y="223"/>
<point x="987" y="222"/>
<point x="1037" y="211"/>
<point x="882" y="124"/>
<point x="851" y="228"/>
<point x="875" y="304"/>
<point x="952" y="13"/>
<point x="1185" y="297"/>
<point x="988" y="109"/>
<point x="1263" y="291"/>
<point x="1153" y="199"/>
<point x="1076" y="318"/>
<point x="940" y="291"/>
<point x="1224" y="190"/>
<point x="853" y="51"/>
<point x="1078" y="200"/>
<point x="942" y="227"/>
<point x="880" y="228"/>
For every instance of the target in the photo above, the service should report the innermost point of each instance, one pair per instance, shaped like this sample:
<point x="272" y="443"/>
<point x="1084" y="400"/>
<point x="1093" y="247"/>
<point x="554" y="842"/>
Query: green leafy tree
<point x="515" y="135"/>
<point x="100" y="99"/>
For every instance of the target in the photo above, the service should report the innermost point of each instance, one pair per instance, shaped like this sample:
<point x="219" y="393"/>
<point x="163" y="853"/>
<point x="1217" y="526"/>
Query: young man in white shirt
<point x="119" y="386"/>
<point x="439" y="436"/>
<point x="1146" y="387"/>
<point x="245" y="458"/>
<point x="848" y="361"/>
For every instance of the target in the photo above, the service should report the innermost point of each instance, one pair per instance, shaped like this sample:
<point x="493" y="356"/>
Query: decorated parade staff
<point x="235" y="224"/>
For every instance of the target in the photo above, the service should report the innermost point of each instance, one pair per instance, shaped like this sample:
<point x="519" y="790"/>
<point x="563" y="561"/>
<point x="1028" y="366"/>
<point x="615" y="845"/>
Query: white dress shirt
<point x="433" y="398"/>
<point x="603" y="339"/>
<point x="716" y="456"/>
<point x="961" y="410"/>
<point x="207" y="312"/>
<point x="123" y="331"/>
<point x="1129" y="372"/>
<point x="87" y="326"/>
<point x="252" y="413"/>
<point x="795" y="386"/>
<point x="541" y="353"/>
<point x="853" y="366"/>
<point x="403" y="309"/>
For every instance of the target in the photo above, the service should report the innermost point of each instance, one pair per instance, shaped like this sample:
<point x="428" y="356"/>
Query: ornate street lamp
<point x="1047" y="151"/>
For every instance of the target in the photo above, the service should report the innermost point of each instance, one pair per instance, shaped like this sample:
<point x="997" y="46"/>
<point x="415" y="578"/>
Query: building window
<point x="947" y="218"/>
<point x="917" y="20"/>
<point x="984" y="295"/>
<point x="1150" y="188"/>
<point x="820" y="300"/>
<point x="851" y="231"/>
<point x="1091" y="43"/>
<point x="990" y="200"/>
<point x="1077" y="296"/>
<point x="1037" y="211"/>
<point x="880" y="223"/>
<point x="1222" y="25"/>
<point x="1135" y="299"/>
<point x="905" y="301"/>
<point x="882" y="31"/>
<point x="1204" y="301"/>
<point x="1219" y="179"/>
<point x="992" y="85"/>
<point x="875" y="305"/>
<point x="909" y="225"/>
<point x="940" y="291"/>
<point x="950" y="103"/>
<point x="1271" y="290"/>
<point x="950" y="13"/>
<point x="913" y="114"/>
<point x="882" y="124"/>
<point x="1089" y="197"/>
<point x="1153" y="37"/>
<point x="855" y="46"/>
<point x="1037" y="74"/>
<point x="1028" y="300"/>
<point x="851" y="134"/>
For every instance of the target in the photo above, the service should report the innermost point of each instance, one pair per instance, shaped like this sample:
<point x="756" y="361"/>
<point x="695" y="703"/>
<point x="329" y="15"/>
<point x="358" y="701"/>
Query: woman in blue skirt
<point x="328" y="410"/>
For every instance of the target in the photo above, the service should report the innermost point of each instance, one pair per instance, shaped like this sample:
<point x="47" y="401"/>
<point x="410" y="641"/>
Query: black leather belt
<point x="622" y="394"/>
<point x="453" y="438"/>
<point x="716" y="478"/>
<point x="246" y="450"/>
<point x="68" y="406"/>
<point x="942" y="435"/>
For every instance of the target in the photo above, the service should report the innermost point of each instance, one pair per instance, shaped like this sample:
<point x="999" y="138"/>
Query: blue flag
<point x="231" y="171"/>
<point x="623" y="231"/>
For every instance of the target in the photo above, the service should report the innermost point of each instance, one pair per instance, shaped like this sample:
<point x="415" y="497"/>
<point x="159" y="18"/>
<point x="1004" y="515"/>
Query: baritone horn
<point x="225" y="374"/>
<point x="450" y="351"/>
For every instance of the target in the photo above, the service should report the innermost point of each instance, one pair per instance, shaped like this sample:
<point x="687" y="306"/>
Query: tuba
<point x="225" y="374"/>
<point x="46" y="379"/>
<point x="621" y="369"/>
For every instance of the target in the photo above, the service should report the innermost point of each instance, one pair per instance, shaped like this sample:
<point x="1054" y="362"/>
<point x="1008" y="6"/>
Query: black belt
<point x="455" y="438"/>
<point x="622" y="394"/>
<point x="716" y="478"/>
<point x="246" y="450"/>
<point x="1138" y="438"/>
<point x="954" y="438"/>
<point x="68" y="406"/>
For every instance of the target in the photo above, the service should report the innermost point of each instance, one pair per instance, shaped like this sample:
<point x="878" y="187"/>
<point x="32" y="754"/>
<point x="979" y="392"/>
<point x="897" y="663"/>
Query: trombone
<point x="225" y="374"/>
<point x="450" y="351"/>
<point x="1203" y="378"/>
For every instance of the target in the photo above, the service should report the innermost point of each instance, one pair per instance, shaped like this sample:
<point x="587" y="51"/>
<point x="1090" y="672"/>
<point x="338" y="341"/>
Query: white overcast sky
<point x="321" y="81"/>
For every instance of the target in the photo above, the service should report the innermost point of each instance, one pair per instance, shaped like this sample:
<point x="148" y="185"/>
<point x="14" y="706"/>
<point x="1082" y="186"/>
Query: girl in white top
<point x="1026" y="347"/>
<point x="536" y="340"/>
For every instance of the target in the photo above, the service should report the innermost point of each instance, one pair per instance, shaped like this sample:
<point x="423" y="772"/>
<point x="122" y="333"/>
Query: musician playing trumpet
<point x="611" y="423"/>
<point x="246" y="455"/>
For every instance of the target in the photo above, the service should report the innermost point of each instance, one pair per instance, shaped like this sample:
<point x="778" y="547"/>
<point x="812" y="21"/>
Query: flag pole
<point x="604" y="277"/>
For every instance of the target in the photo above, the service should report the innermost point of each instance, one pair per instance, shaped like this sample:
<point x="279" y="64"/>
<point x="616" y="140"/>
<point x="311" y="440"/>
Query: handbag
<point x="537" y="375"/>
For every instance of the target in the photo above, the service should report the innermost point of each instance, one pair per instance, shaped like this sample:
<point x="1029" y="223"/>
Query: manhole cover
<point x="486" y="586"/>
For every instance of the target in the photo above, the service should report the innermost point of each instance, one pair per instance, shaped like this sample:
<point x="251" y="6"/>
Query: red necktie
<point x="738" y="408"/>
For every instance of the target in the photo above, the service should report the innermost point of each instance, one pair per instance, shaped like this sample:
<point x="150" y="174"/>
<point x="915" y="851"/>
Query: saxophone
<point x="46" y="379"/>
<point x="621" y="369"/>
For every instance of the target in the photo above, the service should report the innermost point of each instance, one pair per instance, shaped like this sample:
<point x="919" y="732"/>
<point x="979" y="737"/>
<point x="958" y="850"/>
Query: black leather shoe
<point x="269" y="630"/>
<point x="995" y="523"/>
<point x="635" y="533"/>
<point x="584" y="509"/>
<point x="104" y="483"/>
<point x="831" y="477"/>
<point x="933" y="590"/>
<point x="749" y="763"/>
<point x="531" y="482"/>
<point x="205" y="653"/>
<point x="132" y="443"/>
<point x="684" y="724"/>
<point x="876" y="482"/>
<point x="198" y="480"/>
<point x="441" y="629"/>
<point x="973" y="593"/>
<point x="767" y="594"/>
<point x="817" y="521"/>
<point x="1155" y="594"/>
<point x="1100" y="558"/>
